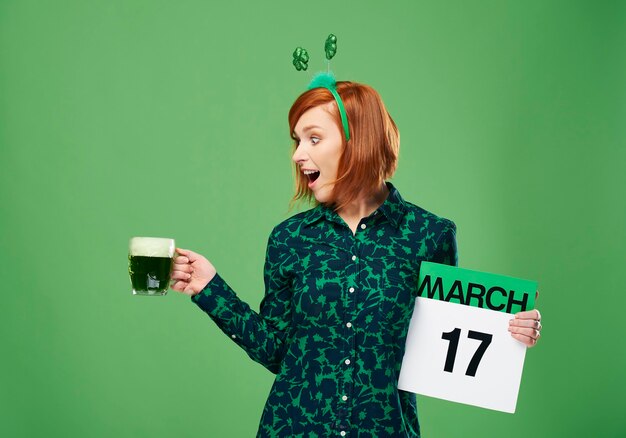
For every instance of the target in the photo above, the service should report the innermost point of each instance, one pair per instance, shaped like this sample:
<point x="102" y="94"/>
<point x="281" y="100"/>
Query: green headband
<point x="328" y="81"/>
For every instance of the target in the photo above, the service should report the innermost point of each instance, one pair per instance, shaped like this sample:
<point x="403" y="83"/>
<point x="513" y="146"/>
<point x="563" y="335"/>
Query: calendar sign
<point x="458" y="347"/>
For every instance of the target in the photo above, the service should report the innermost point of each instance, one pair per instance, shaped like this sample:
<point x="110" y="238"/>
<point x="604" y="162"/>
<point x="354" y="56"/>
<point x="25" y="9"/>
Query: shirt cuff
<point x="214" y="294"/>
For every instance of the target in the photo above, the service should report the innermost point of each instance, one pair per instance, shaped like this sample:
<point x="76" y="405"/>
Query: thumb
<point x="192" y="256"/>
<point x="181" y="251"/>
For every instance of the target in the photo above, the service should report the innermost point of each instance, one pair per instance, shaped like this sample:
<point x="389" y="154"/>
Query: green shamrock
<point x="331" y="46"/>
<point x="300" y="59"/>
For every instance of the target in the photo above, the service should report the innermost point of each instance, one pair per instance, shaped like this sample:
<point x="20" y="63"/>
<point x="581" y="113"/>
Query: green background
<point x="158" y="118"/>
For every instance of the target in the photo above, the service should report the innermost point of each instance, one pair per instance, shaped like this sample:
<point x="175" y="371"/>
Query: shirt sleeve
<point x="445" y="249"/>
<point x="262" y="335"/>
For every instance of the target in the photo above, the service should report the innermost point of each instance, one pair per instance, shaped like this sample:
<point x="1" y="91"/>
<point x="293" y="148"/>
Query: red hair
<point x="368" y="158"/>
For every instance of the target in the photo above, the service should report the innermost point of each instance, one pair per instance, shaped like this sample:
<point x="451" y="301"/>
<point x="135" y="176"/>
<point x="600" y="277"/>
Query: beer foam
<point x="152" y="247"/>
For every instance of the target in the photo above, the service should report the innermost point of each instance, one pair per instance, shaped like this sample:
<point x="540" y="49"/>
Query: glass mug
<point x="150" y="265"/>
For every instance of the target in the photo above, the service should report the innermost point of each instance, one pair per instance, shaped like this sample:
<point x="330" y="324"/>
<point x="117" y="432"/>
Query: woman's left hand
<point x="526" y="327"/>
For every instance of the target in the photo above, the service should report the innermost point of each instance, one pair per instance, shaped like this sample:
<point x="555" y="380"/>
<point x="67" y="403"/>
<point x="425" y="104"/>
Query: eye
<point x="315" y="140"/>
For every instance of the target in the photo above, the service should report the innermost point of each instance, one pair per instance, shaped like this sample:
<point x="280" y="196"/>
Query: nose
<point x="299" y="156"/>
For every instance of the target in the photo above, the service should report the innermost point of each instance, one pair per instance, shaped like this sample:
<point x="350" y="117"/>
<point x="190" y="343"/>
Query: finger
<point x="179" y="286"/>
<point x="181" y="259"/>
<point x="182" y="267"/>
<point x="529" y="342"/>
<point x="182" y="251"/>
<point x="532" y="323"/>
<point x="179" y="275"/>
<point x="192" y="256"/>
<point x="529" y="314"/>
<point x="526" y="331"/>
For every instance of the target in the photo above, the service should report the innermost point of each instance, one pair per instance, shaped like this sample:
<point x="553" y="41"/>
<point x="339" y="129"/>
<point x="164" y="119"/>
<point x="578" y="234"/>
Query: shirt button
<point x="353" y="258"/>
<point x="342" y="433"/>
<point x="347" y="362"/>
<point x="351" y="289"/>
<point x="233" y="336"/>
<point x="349" y="325"/>
<point x="363" y="226"/>
<point x="344" y="398"/>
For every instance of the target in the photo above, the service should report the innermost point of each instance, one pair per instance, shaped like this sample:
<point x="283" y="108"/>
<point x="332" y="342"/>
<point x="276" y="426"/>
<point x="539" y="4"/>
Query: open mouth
<point x="312" y="175"/>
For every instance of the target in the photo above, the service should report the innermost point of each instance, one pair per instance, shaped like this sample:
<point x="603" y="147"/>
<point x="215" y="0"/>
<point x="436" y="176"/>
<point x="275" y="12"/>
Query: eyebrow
<point x="308" y="128"/>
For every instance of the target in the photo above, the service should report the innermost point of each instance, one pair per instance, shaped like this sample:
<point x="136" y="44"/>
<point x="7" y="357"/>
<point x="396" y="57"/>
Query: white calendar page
<point x="464" y="352"/>
<point x="439" y="335"/>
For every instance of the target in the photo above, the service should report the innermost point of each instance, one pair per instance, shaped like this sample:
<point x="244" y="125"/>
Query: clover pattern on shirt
<point x="334" y="318"/>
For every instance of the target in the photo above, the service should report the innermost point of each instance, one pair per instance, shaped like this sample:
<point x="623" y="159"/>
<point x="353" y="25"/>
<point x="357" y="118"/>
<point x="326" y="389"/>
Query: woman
<point x="339" y="278"/>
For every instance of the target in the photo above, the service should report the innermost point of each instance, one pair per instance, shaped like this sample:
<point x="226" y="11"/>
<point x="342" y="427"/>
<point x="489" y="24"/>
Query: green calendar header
<point x="475" y="288"/>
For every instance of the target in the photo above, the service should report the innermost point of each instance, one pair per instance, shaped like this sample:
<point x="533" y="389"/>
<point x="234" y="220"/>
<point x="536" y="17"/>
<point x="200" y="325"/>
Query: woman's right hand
<point x="191" y="272"/>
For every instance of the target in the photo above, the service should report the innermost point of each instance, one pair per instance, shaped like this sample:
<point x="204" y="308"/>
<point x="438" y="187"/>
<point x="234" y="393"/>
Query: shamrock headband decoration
<point x="324" y="80"/>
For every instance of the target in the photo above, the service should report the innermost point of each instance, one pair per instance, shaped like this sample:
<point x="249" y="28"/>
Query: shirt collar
<point x="393" y="208"/>
<point x="313" y="214"/>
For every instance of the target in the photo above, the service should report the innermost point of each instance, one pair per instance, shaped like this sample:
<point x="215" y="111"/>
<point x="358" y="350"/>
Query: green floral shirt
<point x="333" y="322"/>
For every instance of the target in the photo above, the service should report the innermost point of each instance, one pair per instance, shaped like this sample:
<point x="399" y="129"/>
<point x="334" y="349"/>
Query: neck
<point x="364" y="206"/>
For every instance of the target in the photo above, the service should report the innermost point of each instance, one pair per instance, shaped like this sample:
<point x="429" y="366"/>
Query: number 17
<point x="453" y="337"/>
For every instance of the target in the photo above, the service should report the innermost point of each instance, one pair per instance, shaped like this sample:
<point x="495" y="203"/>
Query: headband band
<point x="328" y="81"/>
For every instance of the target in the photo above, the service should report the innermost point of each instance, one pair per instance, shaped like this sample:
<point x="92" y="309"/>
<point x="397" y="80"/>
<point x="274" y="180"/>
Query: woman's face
<point x="319" y="149"/>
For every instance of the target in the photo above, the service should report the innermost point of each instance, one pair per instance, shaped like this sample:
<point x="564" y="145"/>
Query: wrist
<point x="206" y="283"/>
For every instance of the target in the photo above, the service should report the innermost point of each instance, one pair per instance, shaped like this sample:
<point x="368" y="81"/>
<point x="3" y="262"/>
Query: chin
<point x="322" y="197"/>
<point x="322" y="194"/>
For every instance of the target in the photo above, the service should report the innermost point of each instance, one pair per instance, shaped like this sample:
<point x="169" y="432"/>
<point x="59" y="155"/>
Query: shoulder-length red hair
<point x="368" y="158"/>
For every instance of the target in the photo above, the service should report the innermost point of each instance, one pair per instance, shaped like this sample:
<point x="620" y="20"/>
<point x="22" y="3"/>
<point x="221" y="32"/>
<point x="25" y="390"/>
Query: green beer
<point x="150" y="265"/>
